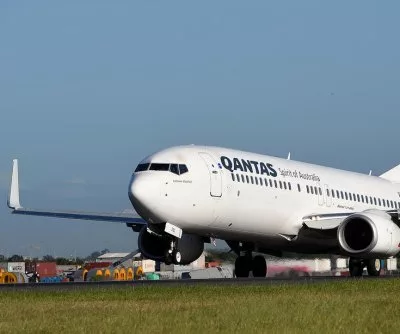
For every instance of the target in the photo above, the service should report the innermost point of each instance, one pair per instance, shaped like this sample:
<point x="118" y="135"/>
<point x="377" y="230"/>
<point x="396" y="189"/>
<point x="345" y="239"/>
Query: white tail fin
<point x="13" y="198"/>
<point x="392" y="175"/>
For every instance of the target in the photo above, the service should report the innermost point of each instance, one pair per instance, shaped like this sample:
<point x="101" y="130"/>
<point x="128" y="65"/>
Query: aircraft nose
<point x="143" y="194"/>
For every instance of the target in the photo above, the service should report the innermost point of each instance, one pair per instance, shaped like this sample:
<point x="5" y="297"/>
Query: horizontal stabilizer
<point x="392" y="175"/>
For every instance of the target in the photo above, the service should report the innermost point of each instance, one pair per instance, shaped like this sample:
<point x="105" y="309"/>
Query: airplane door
<point x="328" y="196"/>
<point x="320" y="195"/>
<point x="215" y="175"/>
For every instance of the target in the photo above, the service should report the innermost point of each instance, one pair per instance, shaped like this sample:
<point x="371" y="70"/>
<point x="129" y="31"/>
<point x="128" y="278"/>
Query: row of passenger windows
<point x="178" y="169"/>
<point x="316" y="191"/>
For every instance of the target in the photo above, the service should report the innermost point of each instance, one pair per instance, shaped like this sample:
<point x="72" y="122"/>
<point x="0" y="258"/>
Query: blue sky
<point x="88" y="88"/>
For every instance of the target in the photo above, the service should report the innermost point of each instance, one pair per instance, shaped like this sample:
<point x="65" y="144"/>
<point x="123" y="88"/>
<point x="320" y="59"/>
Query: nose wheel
<point x="173" y="255"/>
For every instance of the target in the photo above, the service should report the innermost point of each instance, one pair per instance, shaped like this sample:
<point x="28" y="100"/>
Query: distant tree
<point x="62" y="261"/>
<point x="16" y="258"/>
<point x="79" y="261"/>
<point x="105" y="251"/>
<point x="93" y="256"/>
<point x="48" y="258"/>
<point x="2" y="258"/>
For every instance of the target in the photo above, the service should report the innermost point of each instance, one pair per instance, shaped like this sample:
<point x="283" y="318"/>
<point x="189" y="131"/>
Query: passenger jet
<point x="187" y="196"/>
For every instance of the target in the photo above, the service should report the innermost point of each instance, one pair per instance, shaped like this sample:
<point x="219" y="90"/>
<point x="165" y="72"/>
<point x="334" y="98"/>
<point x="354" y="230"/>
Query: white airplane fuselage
<point x="234" y="195"/>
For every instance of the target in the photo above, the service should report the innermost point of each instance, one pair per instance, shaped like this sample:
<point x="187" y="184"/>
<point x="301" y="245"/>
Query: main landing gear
<point x="172" y="255"/>
<point x="356" y="267"/>
<point x="246" y="263"/>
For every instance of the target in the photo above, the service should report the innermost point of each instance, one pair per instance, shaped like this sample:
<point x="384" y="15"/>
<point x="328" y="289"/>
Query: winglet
<point x="13" y="198"/>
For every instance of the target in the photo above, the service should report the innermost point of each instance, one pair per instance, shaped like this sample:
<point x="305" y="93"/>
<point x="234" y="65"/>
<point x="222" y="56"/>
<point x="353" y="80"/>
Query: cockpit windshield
<point x="177" y="169"/>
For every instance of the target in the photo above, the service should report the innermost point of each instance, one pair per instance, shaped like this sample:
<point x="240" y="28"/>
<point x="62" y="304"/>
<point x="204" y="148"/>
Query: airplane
<point x="187" y="196"/>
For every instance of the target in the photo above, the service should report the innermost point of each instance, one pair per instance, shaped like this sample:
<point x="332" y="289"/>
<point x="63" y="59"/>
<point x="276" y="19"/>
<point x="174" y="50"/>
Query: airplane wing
<point x="333" y="220"/>
<point x="14" y="204"/>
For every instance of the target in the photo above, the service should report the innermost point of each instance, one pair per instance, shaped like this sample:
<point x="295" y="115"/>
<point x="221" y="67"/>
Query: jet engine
<point x="371" y="234"/>
<point x="154" y="246"/>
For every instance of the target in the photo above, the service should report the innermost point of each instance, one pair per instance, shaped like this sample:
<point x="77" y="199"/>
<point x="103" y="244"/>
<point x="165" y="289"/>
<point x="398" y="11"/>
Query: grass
<point x="363" y="306"/>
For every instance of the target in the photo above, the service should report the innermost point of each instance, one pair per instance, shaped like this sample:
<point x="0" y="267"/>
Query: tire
<point x="242" y="267"/>
<point x="168" y="258"/>
<point x="374" y="267"/>
<point x="356" y="267"/>
<point x="259" y="266"/>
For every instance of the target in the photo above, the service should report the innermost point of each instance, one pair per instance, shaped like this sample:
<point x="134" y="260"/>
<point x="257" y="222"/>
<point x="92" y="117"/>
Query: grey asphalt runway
<point x="189" y="282"/>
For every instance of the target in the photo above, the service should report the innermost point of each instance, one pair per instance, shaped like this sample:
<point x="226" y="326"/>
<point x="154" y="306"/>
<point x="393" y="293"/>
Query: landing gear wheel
<point x="176" y="257"/>
<point x="356" y="267"/>
<point x="242" y="267"/>
<point x="374" y="267"/>
<point x="168" y="258"/>
<point x="259" y="266"/>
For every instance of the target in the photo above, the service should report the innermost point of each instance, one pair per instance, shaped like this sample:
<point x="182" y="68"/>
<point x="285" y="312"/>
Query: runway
<point x="188" y="282"/>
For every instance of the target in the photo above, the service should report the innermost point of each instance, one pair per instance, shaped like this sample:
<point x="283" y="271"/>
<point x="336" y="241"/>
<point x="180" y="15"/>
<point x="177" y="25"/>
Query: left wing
<point x="14" y="204"/>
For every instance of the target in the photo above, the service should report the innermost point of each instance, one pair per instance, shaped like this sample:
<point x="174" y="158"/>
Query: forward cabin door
<point x="328" y="196"/>
<point x="215" y="175"/>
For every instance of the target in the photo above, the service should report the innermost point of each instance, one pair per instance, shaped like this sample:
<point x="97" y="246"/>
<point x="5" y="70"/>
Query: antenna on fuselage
<point x="289" y="156"/>
<point x="370" y="172"/>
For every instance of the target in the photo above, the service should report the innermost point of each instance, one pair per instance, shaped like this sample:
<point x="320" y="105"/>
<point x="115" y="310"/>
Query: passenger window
<point x="142" y="168"/>
<point x="358" y="198"/>
<point x="391" y="204"/>
<point x="333" y="193"/>
<point x="308" y="189"/>
<point x="388" y="204"/>
<point x="276" y="184"/>
<point x="350" y="198"/>
<point x="312" y="190"/>
<point x="290" y="186"/>
<point x="316" y="190"/>
<point x="384" y="203"/>
<point x="238" y="177"/>
<point x="183" y="169"/>
<point x="256" y="179"/>
<point x="345" y="195"/>
<point x="242" y="176"/>
<point x="252" y="180"/>
<point x="320" y="191"/>
<point x="375" y="201"/>
<point x="280" y="184"/>
<point x="366" y="199"/>
<point x="270" y="183"/>
<point x="298" y="187"/>
<point x="379" y="202"/>
<point x="362" y="198"/>
<point x="327" y="193"/>
<point x="173" y="168"/>
<point x="266" y="182"/>
<point x="284" y="185"/>
<point x="337" y="194"/>
<point x="247" y="179"/>
<point x="261" y="181"/>
<point x="341" y="195"/>
<point x="233" y="177"/>
<point x="395" y="205"/>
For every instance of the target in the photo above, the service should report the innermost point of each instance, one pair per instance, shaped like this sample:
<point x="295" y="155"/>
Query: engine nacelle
<point x="154" y="247"/>
<point x="371" y="234"/>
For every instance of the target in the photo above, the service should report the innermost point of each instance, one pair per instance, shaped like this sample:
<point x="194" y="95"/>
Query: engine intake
<point x="369" y="235"/>
<point x="154" y="247"/>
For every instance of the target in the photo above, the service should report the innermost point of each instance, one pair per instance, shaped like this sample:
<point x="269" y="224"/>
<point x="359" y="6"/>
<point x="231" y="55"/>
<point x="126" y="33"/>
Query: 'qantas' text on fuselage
<point x="251" y="166"/>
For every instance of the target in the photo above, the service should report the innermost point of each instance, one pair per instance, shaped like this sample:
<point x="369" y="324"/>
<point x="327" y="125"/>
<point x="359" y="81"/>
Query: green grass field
<point x="363" y="306"/>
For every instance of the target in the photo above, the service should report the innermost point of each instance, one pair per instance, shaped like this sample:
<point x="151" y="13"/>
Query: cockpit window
<point x="142" y="167"/>
<point x="183" y="169"/>
<point x="174" y="169"/>
<point x="161" y="167"/>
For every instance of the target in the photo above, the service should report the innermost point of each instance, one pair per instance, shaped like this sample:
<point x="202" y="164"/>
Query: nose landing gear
<point x="172" y="255"/>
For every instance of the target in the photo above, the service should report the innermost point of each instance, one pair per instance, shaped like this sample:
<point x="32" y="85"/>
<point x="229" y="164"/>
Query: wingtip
<point x="13" y="198"/>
